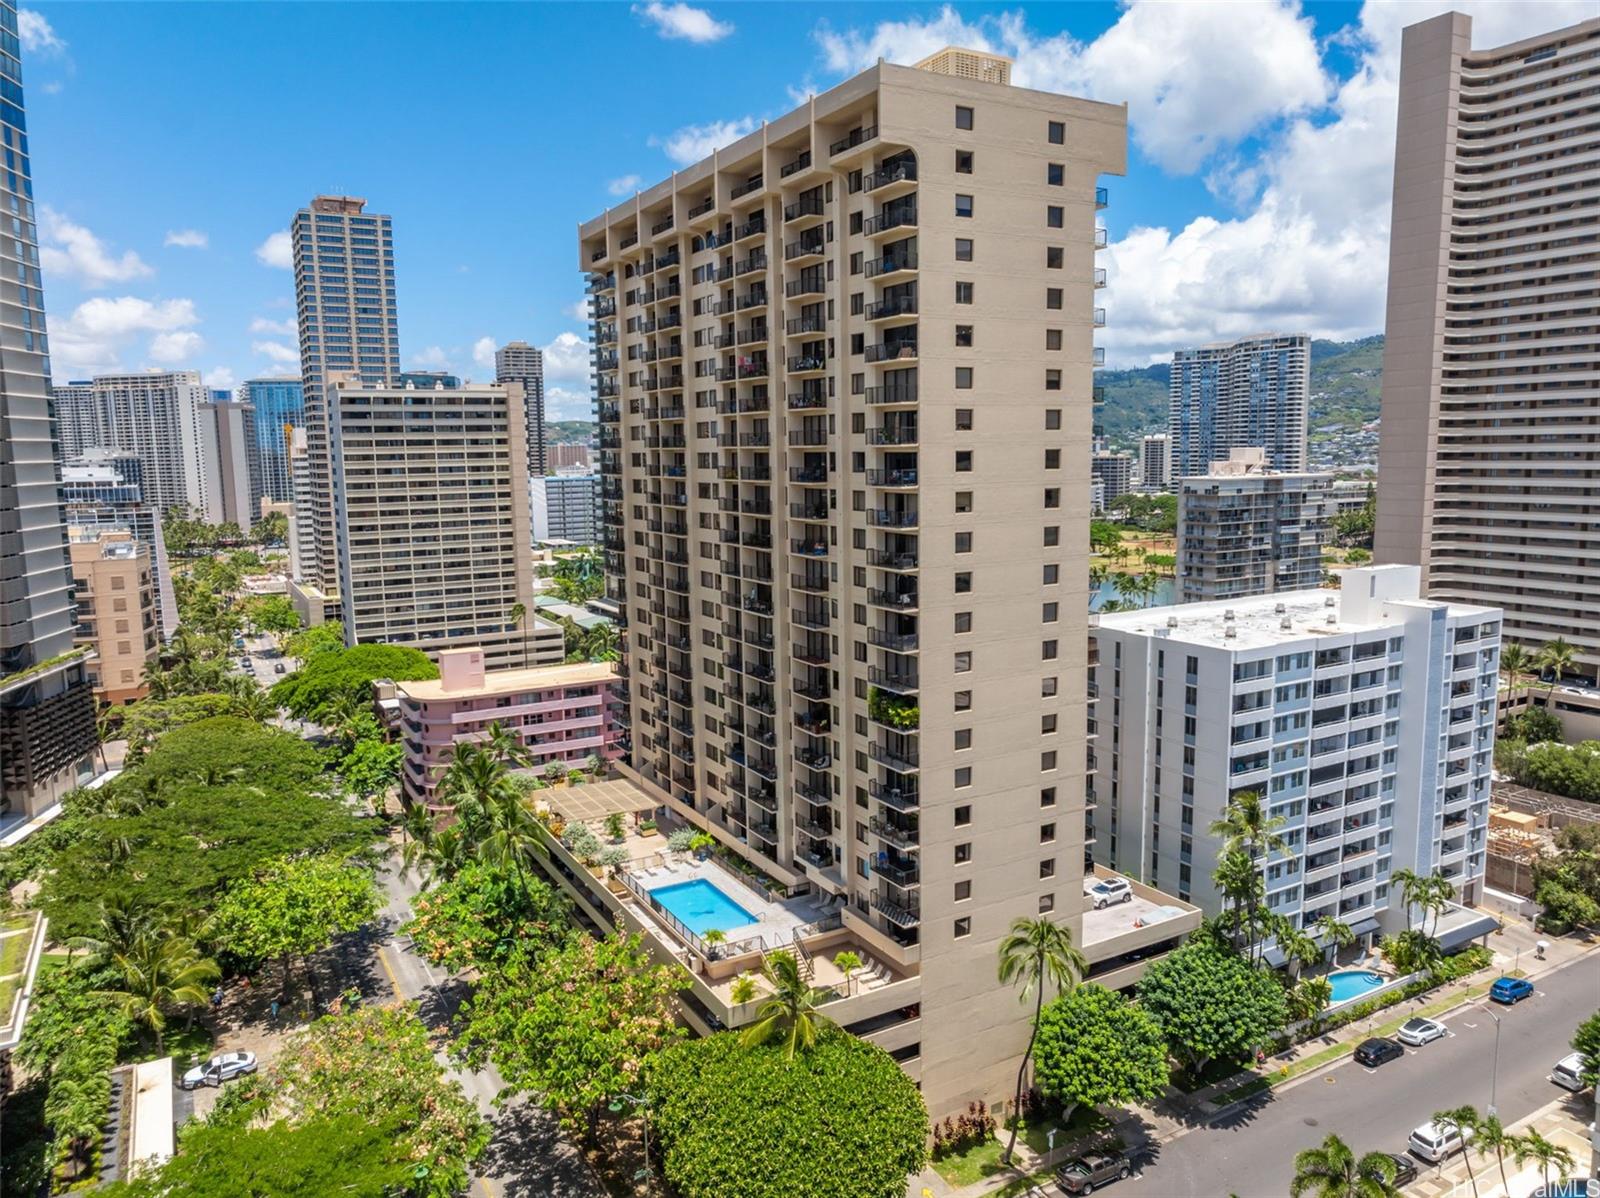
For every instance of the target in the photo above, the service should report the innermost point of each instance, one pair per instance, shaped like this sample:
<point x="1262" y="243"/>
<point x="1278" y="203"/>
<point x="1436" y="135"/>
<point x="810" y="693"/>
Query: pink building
<point x="562" y="713"/>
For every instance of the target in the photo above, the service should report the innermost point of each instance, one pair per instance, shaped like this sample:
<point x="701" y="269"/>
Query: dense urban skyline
<point x="1245" y="209"/>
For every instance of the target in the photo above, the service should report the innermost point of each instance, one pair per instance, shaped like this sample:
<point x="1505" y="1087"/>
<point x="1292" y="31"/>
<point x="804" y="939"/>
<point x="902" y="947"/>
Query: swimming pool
<point x="1352" y="983"/>
<point x="699" y="906"/>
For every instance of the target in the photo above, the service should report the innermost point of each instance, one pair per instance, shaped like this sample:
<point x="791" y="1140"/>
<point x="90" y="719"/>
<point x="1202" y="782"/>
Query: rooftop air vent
<point x="1172" y="621"/>
<point x="1333" y="618"/>
<point x="1327" y="601"/>
<point x="1279" y="608"/>
<point x="1227" y="614"/>
<point x="1285" y="623"/>
<point x="1230" y="631"/>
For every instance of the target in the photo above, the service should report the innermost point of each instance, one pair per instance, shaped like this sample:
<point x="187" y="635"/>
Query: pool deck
<point x="775" y="922"/>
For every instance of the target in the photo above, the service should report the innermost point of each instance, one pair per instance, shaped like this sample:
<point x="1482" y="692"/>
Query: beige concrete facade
<point x="1489" y="464"/>
<point x="116" y="611"/>
<point x="845" y="379"/>
<point x="431" y="503"/>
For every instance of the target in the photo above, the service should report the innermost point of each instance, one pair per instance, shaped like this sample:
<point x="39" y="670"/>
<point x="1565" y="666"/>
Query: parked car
<point x="1510" y="990"/>
<point x="1405" y="1171"/>
<point x="219" y="1069"/>
<point x="1433" y="1143"/>
<point x="1110" y="890"/>
<point x="1420" y="1031"/>
<point x="1568" y="1072"/>
<point x="1377" y="1050"/>
<point x="1092" y="1170"/>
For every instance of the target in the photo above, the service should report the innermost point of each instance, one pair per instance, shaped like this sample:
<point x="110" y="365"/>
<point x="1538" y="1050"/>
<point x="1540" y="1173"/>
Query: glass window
<point x="963" y="206"/>
<point x="963" y="117"/>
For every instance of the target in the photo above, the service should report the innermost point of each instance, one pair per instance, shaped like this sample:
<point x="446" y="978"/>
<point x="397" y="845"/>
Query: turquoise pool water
<point x="699" y="906"/>
<point x="1352" y="983"/>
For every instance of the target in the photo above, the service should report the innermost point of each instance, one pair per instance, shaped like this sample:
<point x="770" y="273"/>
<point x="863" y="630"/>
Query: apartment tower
<point x="431" y="504"/>
<point x="1489" y="455"/>
<point x="1364" y="718"/>
<point x="80" y="420"/>
<point x="864" y="676"/>
<point x="1236" y="394"/>
<point x="565" y="507"/>
<point x="1155" y="463"/>
<point x="518" y="362"/>
<point x="156" y="415"/>
<point x="116" y="610"/>
<point x="47" y="733"/>
<point x="279" y="405"/>
<point x="345" y="302"/>
<point x="104" y="490"/>
<point x="233" y="463"/>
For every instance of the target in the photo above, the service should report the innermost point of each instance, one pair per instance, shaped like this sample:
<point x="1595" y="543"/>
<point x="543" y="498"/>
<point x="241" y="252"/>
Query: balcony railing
<point x="752" y="184"/>
<point x="856" y="137"/>
<point x="899" y="305"/>
<point x="888" y="264"/>
<point x="806" y="205"/>
<point x="900" y="217"/>
<point x="900" y="173"/>
<point x="800" y="164"/>
<point x="892" y="351"/>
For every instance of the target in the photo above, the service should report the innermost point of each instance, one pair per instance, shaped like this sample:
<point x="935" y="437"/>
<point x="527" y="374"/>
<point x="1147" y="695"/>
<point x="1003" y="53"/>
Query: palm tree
<point x="1557" y="656"/>
<point x="1037" y="953"/>
<point x="1493" y="1137"/>
<point x="1436" y="896"/>
<point x="1241" y="883"/>
<point x="1332" y="1171"/>
<point x="1516" y="663"/>
<point x="505" y="746"/>
<point x="517" y="614"/>
<point x="847" y="963"/>
<point x="158" y="974"/>
<point x="1461" y="1120"/>
<point x="791" y="1008"/>
<point x="1335" y="934"/>
<point x="1544" y="1153"/>
<point x="1247" y="826"/>
<point x="1412" y="887"/>
<point x="494" y="821"/>
<point x="121" y="922"/>
<point x="1148" y="584"/>
<point x="1298" y="947"/>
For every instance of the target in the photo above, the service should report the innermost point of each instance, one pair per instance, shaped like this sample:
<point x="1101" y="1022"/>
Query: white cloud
<point x="626" y="185"/>
<point x="187" y="239"/>
<point x="175" y="348"/>
<point x="683" y="22"/>
<point x="277" y="251"/>
<point x="579" y="311"/>
<point x="37" y="35"/>
<point x="693" y="142"/>
<point x="100" y="331"/>
<point x="277" y="353"/>
<point x="71" y="250"/>
<point x="221" y="378"/>
<point x="563" y="403"/>
<point x="274" y="328"/>
<point x="431" y="358"/>
<point x="567" y="357"/>
<point x="483" y="352"/>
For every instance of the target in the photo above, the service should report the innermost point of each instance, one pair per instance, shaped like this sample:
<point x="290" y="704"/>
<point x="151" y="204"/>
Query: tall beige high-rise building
<point x="430" y="500"/>
<point x="1489" y="457"/>
<point x="345" y="302"/>
<point x="844" y="384"/>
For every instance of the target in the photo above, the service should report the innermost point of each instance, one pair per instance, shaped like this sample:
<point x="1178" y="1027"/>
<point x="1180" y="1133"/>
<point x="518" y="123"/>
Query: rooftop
<point x="508" y="682"/>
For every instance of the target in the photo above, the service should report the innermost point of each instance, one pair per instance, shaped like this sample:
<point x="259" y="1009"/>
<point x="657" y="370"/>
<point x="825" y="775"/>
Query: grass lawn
<point x="14" y="954"/>
<point x="8" y="995"/>
<point x="983" y="1160"/>
<point x="187" y="1047"/>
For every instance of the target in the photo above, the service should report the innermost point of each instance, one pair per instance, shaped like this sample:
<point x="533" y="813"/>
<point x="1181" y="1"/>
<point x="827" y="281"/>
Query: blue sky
<point x="171" y="141"/>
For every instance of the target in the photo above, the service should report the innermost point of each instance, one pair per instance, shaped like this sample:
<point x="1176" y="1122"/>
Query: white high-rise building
<point x="1115" y="470"/>
<point x="1364" y="717"/>
<point x="156" y="415"/>
<point x="1236" y="394"/>
<point x="232" y="463"/>
<point x="80" y="419"/>
<point x="1155" y="462"/>
<point x="565" y="507"/>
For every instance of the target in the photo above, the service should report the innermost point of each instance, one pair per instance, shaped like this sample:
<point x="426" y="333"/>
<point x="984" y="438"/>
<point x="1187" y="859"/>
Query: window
<point x="963" y="461"/>
<point x="963" y="249"/>
<point x="1055" y="216"/>
<point x="963" y="853"/>
<point x="1047" y="903"/>
<point x="963" y="738"/>
<point x="1054" y="257"/>
<point x="1047" y="724"/>
<point x="963" y="927"/>
<point x="963" y="162"/>
<point x="1048" y="687"/>
<point x="963" y="501"/>
<point x="1047" y="868"/>
<point x="963" y="206"/>
<point x="1052" y="338"/>
<point x="1047" y="797"/>
<point x="963" y="542"/>
<point x="963" y="890"/>
<point x="963" y="420"/>
<point x="963" y="292"/>
<point x="963" y="700"/>
<point x="1050" y="613"/>
<point x="1047" y="833"/>
<point x="1052" y="535"/>
<point x="1055" y="174"/>
<point x="856" y="260"/>
<point x="1052" y="418"/>
<point x="1047" y="761"/>
<point x="1052" y="297"/>
<point x="964" y="586"/>
<point x="1048" y="650"/>
<point x="1052" y="574"/>
<point x="963" y="117"/>
<point x="963" y="662"/>
<point x="963" y="815"/>
<point x="964" y="618"/>
<point x="855" y="222"/>
<point x="1052" y="380"/>
<point x="1058" y="133"/>
<point x="963" y="336"/>
<point x="1052" y="497"/>
<point x="963" y="777"/>
<point x="1052" y="458"/>
<point x="857" y="304"/>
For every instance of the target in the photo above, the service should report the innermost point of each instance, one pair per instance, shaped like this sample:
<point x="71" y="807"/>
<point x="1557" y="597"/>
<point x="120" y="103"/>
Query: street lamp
<point x="1494" y="1074"/>
<point x="642" y="1104"/>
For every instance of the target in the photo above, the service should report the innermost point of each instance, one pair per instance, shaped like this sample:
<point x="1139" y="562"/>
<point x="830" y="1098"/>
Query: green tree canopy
<point x="1210" y="1003"/>
<point x="372" y="767"/>
<point x="348" y="673"/>
<point x="309" y="642"/>
<point x="272" y="614"/>
<point x="230" y="748"/>
<point x="840" y="1121"/>
<point x="295" y="907"/>
<point x="1097" y="1048"/>
<point x="576" y="1026"/>
<point x="1586" y="1040"/>
<point x="485" y="918"/>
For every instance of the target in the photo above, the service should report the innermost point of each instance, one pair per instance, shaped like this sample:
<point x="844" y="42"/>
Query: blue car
<point x="1510" y="990"/>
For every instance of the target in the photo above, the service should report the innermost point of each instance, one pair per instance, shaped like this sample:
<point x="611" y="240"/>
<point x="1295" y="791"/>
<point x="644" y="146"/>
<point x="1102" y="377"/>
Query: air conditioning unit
<point x="1230" y="631"/>
<point x="1328" y="601"/>
<point x="1285" y="623"/>
<point x="1228" y="614"/>
<point x="1172" y="621"/>
<point x="1333" y="617"/>
<point x="1279" y="608"/>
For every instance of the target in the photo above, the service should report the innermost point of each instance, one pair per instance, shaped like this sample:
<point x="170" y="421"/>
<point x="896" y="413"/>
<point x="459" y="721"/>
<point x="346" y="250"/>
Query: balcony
<point x="807" y="208"/>
<point x="904" y="477"/>
<point x="808" y="364"/>
<point x="888" y="176"/>
<point x="807" y="247"/>
<point x="893" y="263"/>
<point x="810" y="617"/>
<point x="899" y="216"/>
<point x="903" y="350"/>
<point x="896" y="798"/>
<point x="899" y="916"/>
<point x="892" y="517"/>
<point x="900" y="601"/>
<point x="900" y="760"/>
<point x="751" y="184"/>
<point x="754" y="227"/>
<point x="801" y="162"/>
<point x="902" y="682"/>
<point x="856" y="137"/>
<point x="810" y="285"/>
<point x="809" y="476"/>
<point x="901" y="560"/>
<point x="893" y="307"/>
<point x="801" y="325"/>
<point x="893" y="435"/>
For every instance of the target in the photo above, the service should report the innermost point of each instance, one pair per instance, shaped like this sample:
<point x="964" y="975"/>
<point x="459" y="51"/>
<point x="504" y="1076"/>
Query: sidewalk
<point x="1563" y="1121"/>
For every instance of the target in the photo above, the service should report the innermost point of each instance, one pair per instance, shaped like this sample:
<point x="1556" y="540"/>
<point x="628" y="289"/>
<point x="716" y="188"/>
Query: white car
<point x="1110" y="890"/>
<point x="219" y="1069"/>
<point x="1433" y="1142"/>
<point x="1418" y="1032"/>
<point x="1568" y="1072"/>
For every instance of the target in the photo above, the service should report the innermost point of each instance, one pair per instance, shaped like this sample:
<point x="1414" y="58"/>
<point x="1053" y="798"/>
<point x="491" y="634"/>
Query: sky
<point x="173" y="142"/>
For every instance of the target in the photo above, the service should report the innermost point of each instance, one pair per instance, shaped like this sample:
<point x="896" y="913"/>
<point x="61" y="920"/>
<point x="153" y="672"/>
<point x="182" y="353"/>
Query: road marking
<point x="383" y="959"/>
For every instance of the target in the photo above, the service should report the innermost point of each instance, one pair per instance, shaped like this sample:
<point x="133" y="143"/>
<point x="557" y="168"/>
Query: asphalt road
<point x="1251" y="1153"/>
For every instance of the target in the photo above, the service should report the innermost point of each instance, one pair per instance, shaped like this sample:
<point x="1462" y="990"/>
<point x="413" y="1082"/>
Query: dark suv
<point x="1405" y="1169"/>
<point x="1378" y="1050"/>
<point x="1092" y="1170"/>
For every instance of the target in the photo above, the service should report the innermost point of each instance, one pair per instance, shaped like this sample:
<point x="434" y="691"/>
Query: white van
<point x="1433" y="1143"/>
<point x="1568" y="1072"/>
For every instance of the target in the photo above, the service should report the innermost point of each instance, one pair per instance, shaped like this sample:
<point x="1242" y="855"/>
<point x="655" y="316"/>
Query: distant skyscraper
<point x="156" y="415"/>
<point x="280" y="405"/>
<point x="80" y="419"/>
<point x="565" y="507"/>
<point x="575" y="458"/>
<point x="1235" y="394"/>
<point x="1155" y="463"/>
<point x="1115" y="470"/>
<point x="1489" y="454"/>
<point x="232" y="463"/>
<point x="105" y="489"/>
<point x="519" y="362"/>
<point x="47" y="732"/>
<point x="344" y="295"/>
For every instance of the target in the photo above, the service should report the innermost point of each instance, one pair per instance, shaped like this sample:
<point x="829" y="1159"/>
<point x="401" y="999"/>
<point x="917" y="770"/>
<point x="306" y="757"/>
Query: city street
<point x="1250" y="1152"/>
